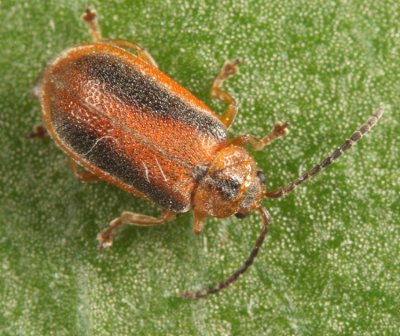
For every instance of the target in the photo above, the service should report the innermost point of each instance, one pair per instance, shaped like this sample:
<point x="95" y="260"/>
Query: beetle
<point x="109" y="107"/>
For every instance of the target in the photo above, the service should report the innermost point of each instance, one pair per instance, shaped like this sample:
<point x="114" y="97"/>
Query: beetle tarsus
<point x="103" y="242"/>
<point x="90" y="14"/>
<point x="230" y="68"/>
<point x="281" y="129"/>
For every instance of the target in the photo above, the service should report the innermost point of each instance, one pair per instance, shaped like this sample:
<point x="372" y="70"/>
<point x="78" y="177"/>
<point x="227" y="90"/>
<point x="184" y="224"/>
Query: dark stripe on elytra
<point x="103" y="156"/>
<point x="140" y="91"/>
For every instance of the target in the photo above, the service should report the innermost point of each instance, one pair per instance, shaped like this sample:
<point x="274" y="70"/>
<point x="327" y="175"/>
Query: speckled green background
<point x="330" y="265"/>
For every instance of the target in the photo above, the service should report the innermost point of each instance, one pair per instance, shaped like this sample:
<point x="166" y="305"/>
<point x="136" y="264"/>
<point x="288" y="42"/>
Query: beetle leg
<point x="199" y="221"/>
<point x="131" y="218"/>
<point x="280" y="130"/>
<point x="39" y="132"/>
<point x="90" y="17"/>
<point x="81" y="174"/>
<point x="230" y="68"/>
<point x="142" y="53"/>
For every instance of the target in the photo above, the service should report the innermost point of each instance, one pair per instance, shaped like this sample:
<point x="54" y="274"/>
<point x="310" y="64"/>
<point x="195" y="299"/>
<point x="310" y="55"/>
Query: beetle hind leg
<point x="229" y="69"/>
<point x="131" y="218"/>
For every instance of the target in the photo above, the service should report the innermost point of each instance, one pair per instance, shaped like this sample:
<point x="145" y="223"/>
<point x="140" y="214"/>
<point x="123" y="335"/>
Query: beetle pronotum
<point x="117" y="115"/>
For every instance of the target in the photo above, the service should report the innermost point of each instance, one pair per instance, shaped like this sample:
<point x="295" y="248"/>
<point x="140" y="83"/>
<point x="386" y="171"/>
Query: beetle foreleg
<point x="280" y="130"/>
<point x="131" y="218"/>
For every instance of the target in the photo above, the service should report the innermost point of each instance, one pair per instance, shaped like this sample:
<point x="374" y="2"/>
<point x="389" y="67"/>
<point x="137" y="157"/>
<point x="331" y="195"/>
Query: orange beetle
<point x="117" y="115"/>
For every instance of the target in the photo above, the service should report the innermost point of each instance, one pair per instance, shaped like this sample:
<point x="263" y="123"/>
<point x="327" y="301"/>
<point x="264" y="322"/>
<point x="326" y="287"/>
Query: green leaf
<point x="330" y="264"/>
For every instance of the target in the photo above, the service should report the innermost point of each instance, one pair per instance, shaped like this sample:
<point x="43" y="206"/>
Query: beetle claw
<point x="104" y="241"/>
<point x="230" y="68"/>
<point x="281" y="129"/>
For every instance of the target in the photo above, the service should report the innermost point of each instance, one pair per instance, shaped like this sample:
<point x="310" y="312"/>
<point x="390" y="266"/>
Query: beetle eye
<point x="241" y="215"/>
<point x="261" y="176"/>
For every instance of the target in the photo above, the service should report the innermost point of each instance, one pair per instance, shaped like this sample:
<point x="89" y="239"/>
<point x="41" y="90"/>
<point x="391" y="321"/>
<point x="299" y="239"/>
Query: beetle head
<point x="232" y="185"/>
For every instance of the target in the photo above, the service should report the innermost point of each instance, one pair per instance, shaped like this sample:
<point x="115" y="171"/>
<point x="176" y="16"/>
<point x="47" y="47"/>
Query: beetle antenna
<point x="357" y="135"/>
<point x="266" y="219"/>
